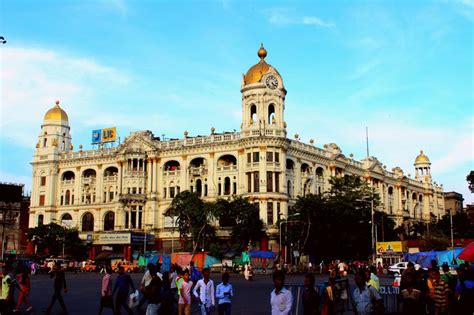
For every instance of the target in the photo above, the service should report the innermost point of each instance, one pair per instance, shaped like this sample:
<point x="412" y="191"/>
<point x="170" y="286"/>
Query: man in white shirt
<point x="205" y="296"/>
<point x="281" y="299"/>
<point x="224" y="294"/>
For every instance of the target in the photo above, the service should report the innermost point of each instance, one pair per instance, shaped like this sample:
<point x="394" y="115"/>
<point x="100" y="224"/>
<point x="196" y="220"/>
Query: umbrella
<point x="468" y="253"/>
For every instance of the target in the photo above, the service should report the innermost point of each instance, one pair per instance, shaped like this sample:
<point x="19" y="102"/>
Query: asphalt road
<point x="250" y="297"/>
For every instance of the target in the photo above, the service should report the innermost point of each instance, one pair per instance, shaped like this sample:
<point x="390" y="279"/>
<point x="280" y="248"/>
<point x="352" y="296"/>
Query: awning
<point x="107" y="254"/>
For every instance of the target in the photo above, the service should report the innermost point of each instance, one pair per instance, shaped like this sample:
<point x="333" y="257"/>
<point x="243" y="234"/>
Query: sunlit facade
<point x="110" y="192"/>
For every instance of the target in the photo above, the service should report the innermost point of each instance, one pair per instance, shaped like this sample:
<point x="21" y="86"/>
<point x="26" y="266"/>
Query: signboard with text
<point x="389" y="247"/>
<point x="112" y="238"/>
<point x="104" y="135"/>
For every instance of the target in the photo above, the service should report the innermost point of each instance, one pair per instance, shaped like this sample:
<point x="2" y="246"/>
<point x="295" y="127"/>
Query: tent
<point x="210" y="260"/>
<point x="468" y="253"/>
<point x="264" y="254"/>
<point x="448" y="257"/>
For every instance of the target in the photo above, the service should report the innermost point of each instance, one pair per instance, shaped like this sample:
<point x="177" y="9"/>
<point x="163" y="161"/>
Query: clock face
<point x="271" y="82"/>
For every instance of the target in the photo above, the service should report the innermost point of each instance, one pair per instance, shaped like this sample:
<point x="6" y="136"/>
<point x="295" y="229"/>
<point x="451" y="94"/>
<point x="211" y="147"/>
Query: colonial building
<point x="111" y="193"/>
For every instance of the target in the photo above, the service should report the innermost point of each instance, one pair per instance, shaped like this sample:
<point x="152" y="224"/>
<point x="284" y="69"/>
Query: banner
<point x="389" y="247"/>
<point x="104" y="135"/>
<point x="112" y="238"/>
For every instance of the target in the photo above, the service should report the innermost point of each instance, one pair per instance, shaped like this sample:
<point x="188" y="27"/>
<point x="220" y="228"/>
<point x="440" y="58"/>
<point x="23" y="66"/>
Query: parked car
<point x="398" y="268"/>
<point x="127" y="266"/>
<point x="89" y="267"/>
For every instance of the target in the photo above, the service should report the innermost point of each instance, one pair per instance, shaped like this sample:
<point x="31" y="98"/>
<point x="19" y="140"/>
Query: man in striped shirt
<point x="437" y="293"/>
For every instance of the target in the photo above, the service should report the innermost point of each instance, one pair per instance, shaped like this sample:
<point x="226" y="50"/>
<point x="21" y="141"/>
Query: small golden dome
<point x="422" y="157"/>
<point x="56" y="113"/>
<point x="256" y="72"/>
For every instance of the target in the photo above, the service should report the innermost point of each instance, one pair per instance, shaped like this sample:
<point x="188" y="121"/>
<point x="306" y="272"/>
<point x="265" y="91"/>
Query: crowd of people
<point x="435" y="291"/>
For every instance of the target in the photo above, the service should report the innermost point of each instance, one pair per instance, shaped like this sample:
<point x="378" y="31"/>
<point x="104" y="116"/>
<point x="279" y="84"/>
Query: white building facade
<point x="109" y="193"/>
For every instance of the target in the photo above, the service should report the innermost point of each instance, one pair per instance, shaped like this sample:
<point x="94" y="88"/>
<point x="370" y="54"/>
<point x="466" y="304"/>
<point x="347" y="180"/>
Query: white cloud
<point x="282" y="17"/>
<point x="32" y="79"/>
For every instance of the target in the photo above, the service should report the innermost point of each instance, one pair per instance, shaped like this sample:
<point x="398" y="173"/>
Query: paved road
<point x="251" y="298"/>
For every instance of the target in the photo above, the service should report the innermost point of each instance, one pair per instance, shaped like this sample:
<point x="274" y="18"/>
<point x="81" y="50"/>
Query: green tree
<point x="49" y="239"/>
<point x="194" y="218"/>
<point x="248" y="227"/>
<point x="462" y="227"/>
<point x="337" y="224"/>
<point x="470" y="180"/>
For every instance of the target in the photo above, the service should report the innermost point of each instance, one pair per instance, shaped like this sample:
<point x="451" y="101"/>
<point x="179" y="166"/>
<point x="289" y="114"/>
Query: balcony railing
<point x="197" y="170"/>
<point x="172" y="173"/>
<point x="224" y="168"/>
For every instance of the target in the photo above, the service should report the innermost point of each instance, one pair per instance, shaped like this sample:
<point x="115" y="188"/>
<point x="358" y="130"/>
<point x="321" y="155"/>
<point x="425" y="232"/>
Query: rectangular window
<point x="140" y="190"/>
<point x="43" y="180"/>
<point x="234" y="188"/>
<point x="171" y="192"/>
<point x="269" y="181"/>
<point x="62" y="200"/>
<point x="249" y="182"/>
<point x="278" y="211"/>
<point x="256" y="182"/>
<point x="256" y="157"/>
<point x="249" y="158"/>
<point x="134" y="190"/>
<point x="269" y="156"/>
<point x="277" y="182"/>
<point x="111" y="195"/>
<point x="270" y="213"/>
<point x="41" y="200"/>
<point x="127" y="220"/>
<point x="164" y="192"/>
<point x="177" y="189"/>
<point x="205" y="190"/>
<point x="105" y="197"/>
<point x="277" y="157"/>
<point x="219" y="189"/>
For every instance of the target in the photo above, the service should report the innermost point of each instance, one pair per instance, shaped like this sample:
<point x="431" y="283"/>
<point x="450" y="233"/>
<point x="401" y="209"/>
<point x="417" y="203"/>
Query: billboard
<point x="104" y="135"/>
<point x="390" y="247"/>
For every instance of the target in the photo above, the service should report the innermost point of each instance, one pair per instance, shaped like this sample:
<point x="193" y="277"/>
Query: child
<point x="184" y="303"/>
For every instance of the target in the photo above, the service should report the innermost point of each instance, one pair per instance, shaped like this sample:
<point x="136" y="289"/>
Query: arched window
<point x="288" y="187"/>
<point x="227" y="186"/>
<point x="199" y="187"/>
<point x="271" y="114"/>
<point x="40" y="219"/>
<point x="109" y="221"/>
<point x="253" y="113"/>
<point x="67" y="198"/>
<point x="69" y="175"/>
<point x="290" y="165"/>
<point x="66" y="217"/>
<point x="110" y="171"/>
<point x="87" y="222"/>
<point x="390" y="190"/>
<point x="319" y="172"/>
<point x="171" y="166"/>
<point x="420" y="198"/>
<point x="89" y="173"/>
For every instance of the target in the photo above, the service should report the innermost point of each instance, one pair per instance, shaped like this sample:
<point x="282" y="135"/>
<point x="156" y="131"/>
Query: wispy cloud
<point x="34" y="78"/>
<point x="364" y="69"/>
<point x="283" y="17"/>
<point x="119" y="6"/>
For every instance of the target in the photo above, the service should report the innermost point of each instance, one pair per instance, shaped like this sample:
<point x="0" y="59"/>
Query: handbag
<point x="133" y="299"/>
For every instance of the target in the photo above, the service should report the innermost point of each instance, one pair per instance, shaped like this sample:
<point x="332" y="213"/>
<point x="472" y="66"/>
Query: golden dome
<point x="422" y="157"/>
<point x="56" y="113"/>
<point x="256" y="72"/>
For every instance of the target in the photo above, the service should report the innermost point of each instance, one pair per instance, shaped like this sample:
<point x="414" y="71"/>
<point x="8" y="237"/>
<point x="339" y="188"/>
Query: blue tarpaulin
<point x="262" y="254"/>
<point x="424" y="258"/>
<point x="210" y="260"/>
<point x="165" y="263"/>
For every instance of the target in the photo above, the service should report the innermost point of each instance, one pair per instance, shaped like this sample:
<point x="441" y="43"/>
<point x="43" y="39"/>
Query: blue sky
<point x="402" y="68"/>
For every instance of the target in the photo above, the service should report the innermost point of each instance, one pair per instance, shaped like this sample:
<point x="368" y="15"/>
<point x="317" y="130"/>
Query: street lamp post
<point x="452" y="231"/>
<point x="281" y="223"/>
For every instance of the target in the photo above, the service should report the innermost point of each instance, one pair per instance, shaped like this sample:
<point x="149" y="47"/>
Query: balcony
<point x="172" y="173"/>
<point x="88" y="180"/>
<point x="197" y="170"/>
<point x="226" y="168"/>
<point x="68" y="182"/>
<point x="129" y="198"/>
<point x="111" y="178"/>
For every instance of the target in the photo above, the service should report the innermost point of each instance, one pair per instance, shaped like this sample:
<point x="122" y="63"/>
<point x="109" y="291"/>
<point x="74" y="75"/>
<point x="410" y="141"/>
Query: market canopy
<point x="262" y="254"/>
<point x="468" y="253"/>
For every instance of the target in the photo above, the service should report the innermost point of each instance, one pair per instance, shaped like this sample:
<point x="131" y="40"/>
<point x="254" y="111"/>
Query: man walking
<point x="122" y="287"/>
<point x="106" y="296"/>
<point x="205" y="297"/>
<point x="366" y="299"/>
<point x="59" y="284"/>
<point x="224" y="294"/>
<point x="281" y="300"/>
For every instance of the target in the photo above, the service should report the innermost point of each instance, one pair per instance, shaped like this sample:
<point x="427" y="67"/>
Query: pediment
<point x="138" y="142"/>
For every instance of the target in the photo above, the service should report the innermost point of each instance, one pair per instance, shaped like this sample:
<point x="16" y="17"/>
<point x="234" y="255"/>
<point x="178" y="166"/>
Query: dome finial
<point x="57" y="103"/>
<point x="262" y="52"/>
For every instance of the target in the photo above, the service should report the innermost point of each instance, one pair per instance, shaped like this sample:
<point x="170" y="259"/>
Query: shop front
<point x="121" y="244"/>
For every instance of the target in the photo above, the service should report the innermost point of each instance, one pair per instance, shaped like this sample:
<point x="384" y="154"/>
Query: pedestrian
<point x="329" y="302"/>
<point x="224" y="294"/>
<point x="122" y="287"/>
<point x="173" y="276"/>
<point x="24" y="284"/>
<point x="167" y="295"/>
<point x="59" y="285"/>
<point x="184" y="289"/>
<point x="366" y="299"/>
<point x="311" y="300"/>
<point x="437" y="293"/>
<point x="321" y="267"/>
<point x="106" y="296"/>
<point x="153" y="292"/>
<point x="205" y="287"/>
<point x="451" y="280"/>
<point x="7" y="288"/>
<point x="281" y="300"/>
<point x="411" y="297"/>
<point x="465" y="291"/>
<point x="146" y="279"/>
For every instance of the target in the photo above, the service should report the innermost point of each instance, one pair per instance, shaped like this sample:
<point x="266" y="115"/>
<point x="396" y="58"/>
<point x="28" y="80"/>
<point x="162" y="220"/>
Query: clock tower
<point x="263" y="100"/>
